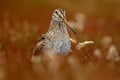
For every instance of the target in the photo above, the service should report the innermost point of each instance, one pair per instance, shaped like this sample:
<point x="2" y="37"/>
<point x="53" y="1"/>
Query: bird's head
<point x="59" y="15"/>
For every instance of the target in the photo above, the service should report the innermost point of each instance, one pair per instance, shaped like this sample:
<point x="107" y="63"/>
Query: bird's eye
<point x="56" y="12"/>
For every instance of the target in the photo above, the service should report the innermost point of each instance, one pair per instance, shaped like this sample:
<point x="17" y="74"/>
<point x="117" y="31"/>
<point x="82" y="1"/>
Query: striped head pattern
<point x="59" y="15"/>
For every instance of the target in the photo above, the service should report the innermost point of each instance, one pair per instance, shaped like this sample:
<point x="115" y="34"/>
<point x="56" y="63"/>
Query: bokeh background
<point x="23" y="21"/>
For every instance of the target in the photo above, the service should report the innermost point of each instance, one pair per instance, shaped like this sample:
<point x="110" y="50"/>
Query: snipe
<point x="56" y="39"/>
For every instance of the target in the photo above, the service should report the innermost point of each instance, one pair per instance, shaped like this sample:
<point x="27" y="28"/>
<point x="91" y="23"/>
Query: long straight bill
<point x="70" y="26"/>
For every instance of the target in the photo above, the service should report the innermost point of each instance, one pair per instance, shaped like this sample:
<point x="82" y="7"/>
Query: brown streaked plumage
<point x="56" y="39"/>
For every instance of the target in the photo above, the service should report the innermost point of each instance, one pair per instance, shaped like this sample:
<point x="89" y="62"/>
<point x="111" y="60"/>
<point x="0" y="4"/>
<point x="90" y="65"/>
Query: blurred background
<point x="23" y="21"/>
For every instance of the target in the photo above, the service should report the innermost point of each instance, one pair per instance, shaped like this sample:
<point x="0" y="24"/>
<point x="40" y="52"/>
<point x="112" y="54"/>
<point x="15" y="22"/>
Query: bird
<point x="57" y="39"/>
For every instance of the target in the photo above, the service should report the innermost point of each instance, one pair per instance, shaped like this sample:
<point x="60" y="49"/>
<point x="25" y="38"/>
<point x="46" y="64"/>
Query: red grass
<point x="17" y="40"/>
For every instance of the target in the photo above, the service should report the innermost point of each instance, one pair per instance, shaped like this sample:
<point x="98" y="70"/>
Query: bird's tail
<point x="37" y="49"/>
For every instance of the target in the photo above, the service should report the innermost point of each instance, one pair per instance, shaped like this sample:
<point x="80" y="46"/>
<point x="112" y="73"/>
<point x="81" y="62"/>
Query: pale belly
<point x="62" y="46"/>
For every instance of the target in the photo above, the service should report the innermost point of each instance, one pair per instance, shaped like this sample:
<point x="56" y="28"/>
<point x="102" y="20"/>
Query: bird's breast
<point x="59" y="39"/>
<point x="62" y="44"/>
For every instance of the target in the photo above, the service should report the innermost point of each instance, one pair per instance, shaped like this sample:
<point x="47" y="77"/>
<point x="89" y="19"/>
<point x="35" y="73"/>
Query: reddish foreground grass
<point x="99" y="61"/>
